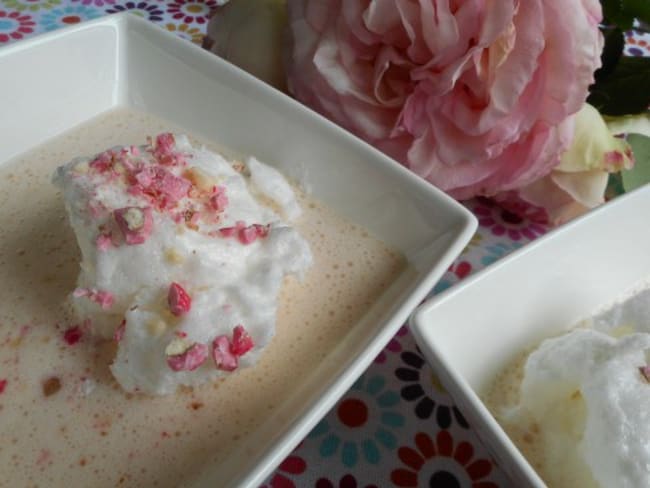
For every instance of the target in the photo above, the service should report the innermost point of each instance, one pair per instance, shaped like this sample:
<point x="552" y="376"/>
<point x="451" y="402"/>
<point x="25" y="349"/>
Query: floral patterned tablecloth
<point x="396" y="426"/>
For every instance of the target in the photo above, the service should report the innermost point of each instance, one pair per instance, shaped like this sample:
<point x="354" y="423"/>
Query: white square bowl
<point x="56" y="81"/>
<point x="474" y="330"/>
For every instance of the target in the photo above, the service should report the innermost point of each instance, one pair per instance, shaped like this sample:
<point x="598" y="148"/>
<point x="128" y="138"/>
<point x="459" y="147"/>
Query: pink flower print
<point x="393" y="346"/>
<point x="502" y="222"/>
<point x="14" y="25"/>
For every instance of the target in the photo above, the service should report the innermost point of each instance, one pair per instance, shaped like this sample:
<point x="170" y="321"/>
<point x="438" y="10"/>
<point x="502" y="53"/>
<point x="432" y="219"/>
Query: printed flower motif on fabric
<point x="15" y="25"/>
<point x="473" y="243"/>
<point x="455" y="273"/>
<point x="184" y="31"/>
<point x="441" y="463"/>
<point x="72" y="14"/>
<point x="496" y="251"/>
<point x="96" y="3"/>
<point x="502" y="222"/>
<point x="427" y="393"/>
<point x="362" y="423"/>
<point x="146" y="10"/>
<point x="31" y="5"/>
<point x="637" y="45"/>
<point x="394" y="346"/>
<point x="346" y="481"/>
<point x="293" y="465"/>
<point x="190" y="11"/>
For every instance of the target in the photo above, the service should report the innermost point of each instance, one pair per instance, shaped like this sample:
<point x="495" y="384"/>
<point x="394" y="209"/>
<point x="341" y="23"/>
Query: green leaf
<point x="638" y="9"/>
<point x="612" y="52"/>
<point x="615" y="13"/>
<point x="611" y="8"/>
<point x="625" y="91"/>
<point x="640" y="174"/>
<point x="614" y="186"/>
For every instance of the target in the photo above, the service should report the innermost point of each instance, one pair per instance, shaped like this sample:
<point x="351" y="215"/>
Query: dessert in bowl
<point x="378" y="236"/>
<point x="574" y="406"/>
<point x="486" y="327"/>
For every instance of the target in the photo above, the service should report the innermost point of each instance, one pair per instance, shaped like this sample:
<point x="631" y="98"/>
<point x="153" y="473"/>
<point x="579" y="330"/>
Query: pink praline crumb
<point x="72" y="335"/>
<point x="190" y="360"/>
<point x="3" y="386"/>
<point x="104" y="299"/>
<point x="144" y="178"/>
<point x="119" y="332"/>
<point x="164" y="150"/>
<point x="81" y="292"/>
<point x="262" y="230"/>
<point x="178" y="299"/>
<point x="104" y="242"/>
<point x="165" y="142"/>
<point x="242" y="342"/>
<point x="223" y="357"/>
<point x="231" y="231"/>
<point x="219" y="201"/>
<point x="247" y="235"/>
<point x="102" y="162"/>
<point x="227" y="231"/>
<point x="134" y="234"/>
<point x="174" y="186"/>
<point x="250" y="234"/>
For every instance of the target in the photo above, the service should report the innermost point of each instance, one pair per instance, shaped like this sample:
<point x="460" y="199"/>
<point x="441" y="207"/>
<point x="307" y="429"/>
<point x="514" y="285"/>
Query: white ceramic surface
<point x="58" y="80"/>
<point x="472" y="331"/>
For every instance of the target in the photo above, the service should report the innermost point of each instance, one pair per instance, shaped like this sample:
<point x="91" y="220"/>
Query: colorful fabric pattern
<point x="397" y="426"/>
<point x="20" y="19"/>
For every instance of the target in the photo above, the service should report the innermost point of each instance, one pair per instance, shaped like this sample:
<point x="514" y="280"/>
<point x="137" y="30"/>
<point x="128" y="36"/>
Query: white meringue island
<point x="183" y="256"/>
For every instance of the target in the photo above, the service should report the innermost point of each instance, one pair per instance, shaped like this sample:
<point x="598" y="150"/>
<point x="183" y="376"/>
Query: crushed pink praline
<point x="242" y="342"/>
<point x="72" y="335"/>
<point x="119" y="332"/>
<point x="134" y="235"/>
<point x="178" y="299"/>
<point x="190" y="360"/>
<point x="104" y="299"/>
<point x="245" y="234"/>
<point x="104" y="242"/>
<point x="103" y="161"/>
<point x="164" y="150"/>
<point x="224" y="358"/>
<point x="226" y="352"/>
<point x="160" y="186"/>
<point x="219" y="201"/>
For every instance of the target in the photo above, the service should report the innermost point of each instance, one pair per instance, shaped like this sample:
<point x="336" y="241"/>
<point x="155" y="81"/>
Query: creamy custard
<point x="65" y="421"/>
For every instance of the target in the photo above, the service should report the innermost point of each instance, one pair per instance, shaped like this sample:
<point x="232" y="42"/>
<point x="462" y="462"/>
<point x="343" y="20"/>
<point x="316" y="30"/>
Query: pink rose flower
<point x="476" y="96"/>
